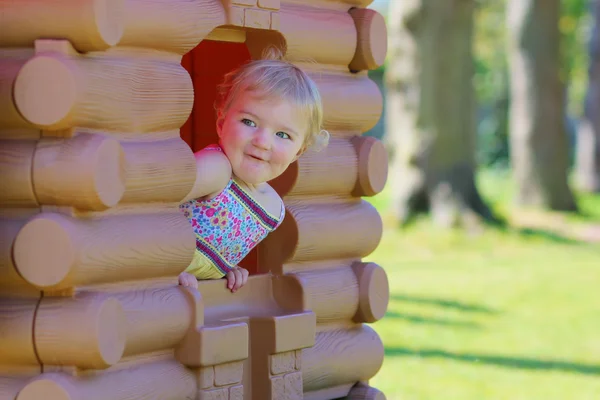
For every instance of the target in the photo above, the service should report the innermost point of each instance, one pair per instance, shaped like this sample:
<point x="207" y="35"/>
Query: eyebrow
<point x="285" y="128"/>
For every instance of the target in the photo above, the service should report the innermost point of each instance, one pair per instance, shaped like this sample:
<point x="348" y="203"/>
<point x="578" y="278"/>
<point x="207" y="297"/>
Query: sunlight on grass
<point x="507" y="314"/>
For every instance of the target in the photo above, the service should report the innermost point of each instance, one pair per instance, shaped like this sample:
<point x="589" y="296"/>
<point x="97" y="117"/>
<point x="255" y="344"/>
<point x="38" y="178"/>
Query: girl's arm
<point x="213" y="172"/>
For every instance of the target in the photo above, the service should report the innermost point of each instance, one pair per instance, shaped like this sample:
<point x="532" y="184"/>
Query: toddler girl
<point x="268" y="113"/>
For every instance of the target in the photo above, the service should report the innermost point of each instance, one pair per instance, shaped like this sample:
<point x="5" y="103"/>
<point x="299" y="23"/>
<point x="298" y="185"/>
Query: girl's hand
<point x="236" y="278"/>
<point x="188" y="280"/>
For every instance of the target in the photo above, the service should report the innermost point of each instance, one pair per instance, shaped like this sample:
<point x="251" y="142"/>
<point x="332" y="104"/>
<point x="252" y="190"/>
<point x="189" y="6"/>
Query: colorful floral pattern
<point x="229" y="225"/>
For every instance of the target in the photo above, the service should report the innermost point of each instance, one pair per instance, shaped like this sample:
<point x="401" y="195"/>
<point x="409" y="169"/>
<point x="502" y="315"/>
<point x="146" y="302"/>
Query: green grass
<point x="504" y="314"/>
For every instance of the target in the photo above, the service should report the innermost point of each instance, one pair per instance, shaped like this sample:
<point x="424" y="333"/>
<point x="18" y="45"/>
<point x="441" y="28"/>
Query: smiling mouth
<point x="256" y="158"/>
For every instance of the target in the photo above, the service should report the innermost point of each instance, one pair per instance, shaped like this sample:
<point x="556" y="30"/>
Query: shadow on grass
<point x="443" y="303"/>
<point x="417" y="319"/>
<point x="510" y="362"/>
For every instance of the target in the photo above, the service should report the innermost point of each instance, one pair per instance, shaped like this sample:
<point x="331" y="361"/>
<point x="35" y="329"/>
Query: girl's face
<point x="261" y="136"/>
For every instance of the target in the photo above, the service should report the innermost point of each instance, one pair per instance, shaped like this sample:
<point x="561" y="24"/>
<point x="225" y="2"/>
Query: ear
<point x="220" y="122"/>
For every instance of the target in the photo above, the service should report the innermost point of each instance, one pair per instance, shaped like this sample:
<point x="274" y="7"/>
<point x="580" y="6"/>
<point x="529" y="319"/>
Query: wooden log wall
<point x="91" y="240"/>
<point x="329" y="228"/>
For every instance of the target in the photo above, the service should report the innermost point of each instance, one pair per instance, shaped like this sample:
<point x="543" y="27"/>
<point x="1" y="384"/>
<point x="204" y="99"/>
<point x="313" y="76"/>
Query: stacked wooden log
<point x="329" y="228"/>
<point x="92" y="97"/>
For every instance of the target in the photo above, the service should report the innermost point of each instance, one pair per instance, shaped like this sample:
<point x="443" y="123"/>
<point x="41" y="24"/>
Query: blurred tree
<point x="538" y="140"/>
<point x="431" y="110"/>
<point x="587" y="165"/>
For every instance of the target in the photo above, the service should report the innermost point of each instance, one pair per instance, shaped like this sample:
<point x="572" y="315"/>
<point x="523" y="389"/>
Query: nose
<point x="262" y="139"/>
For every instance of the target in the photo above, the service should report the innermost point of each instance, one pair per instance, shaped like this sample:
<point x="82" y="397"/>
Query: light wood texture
<point x="88" y="331"/>
<point x="371" y="46"/>
<point x="351" y="102"/>
<point x="11" y="61"/>
<point x="214" y="344"/>
<point x="374" y="292"/>
<point x="365" y="392"/>
<point x="172" y="25"/>
<point x="348" y="165"/>
<point x="284" y="333"/>
<point x="88" y="24"/>
<point x="57" y="91"/>
<point x="342" y="356"/>
<point x="16" y="331"/>
<point x="372" y="166"/>
<point x="305" y="29"/>
<point x="332" y="294"/>
<point x="313" y="232"/>
<point x="143" y="307"/>
<point x="12" y="285"/>
<point x="158" y="171"/>
<point x="86" y="172"/>
<point x="16" y="162"/>
<point x="160" y="380"/>
<point x="56" y="251"/>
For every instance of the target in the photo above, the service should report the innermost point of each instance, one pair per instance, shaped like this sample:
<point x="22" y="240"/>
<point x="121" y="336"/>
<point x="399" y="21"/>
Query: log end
<point x="45" y="90"/>
<point x="374" y="292"/>
<point x="372" y="166"/>
<point x="43" y="251"/>
<point x="371" y="48"/>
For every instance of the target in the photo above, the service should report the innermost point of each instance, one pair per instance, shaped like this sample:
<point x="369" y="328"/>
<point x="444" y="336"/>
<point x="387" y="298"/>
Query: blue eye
<point x="248" y="122"/>
<point x="283" y="135"/>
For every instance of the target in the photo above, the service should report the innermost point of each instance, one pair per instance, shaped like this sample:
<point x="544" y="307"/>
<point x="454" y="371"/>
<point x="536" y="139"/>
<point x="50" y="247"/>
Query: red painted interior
<point x="207" y="64"/>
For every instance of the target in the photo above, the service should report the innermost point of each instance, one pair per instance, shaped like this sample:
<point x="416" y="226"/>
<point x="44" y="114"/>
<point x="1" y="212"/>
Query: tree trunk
<point x="538" y="140"/>
<point x="587" y="157"/>
<point x="431" y="110"/>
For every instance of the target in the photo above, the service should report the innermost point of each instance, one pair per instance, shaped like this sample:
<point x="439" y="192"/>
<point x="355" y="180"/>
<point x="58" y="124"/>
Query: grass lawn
<point x="503" y="314"/>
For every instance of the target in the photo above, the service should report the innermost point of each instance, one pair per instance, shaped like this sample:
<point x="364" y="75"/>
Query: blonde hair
<point x="273" y="76"/>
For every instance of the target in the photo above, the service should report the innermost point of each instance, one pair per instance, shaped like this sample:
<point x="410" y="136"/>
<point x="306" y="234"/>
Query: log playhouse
<point x="102" y="104"/>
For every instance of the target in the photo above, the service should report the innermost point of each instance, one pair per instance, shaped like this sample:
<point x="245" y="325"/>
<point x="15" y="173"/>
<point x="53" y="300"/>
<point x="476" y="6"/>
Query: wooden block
<point x="93" y="24"/>
<point x="88" y="331"/>
<point x="374" y="292"/>
<point x="305" y="28"/>
<point x="87" y="172"/>
<point x="332" y="294"/>
<point x="312" y="232"/>
<point x="371" y="45"/>
<point x="286" y="332"/>
<point x="258" y="19"/>
<point x="218" y="394"/>
<point x="277" y="388"/>
<point x="57" y="251"/>
<point x="158" y="171"/>
<point x="172" y="25"/>
<point x="175" y="307"/>
<point x="213" y="345"/>
<point x="283" y="362"/>
<point x="229" y="373"/>
<point x="270" y="4"/>
<point x="351" y="102"/>
<point x="293" y="386"/>
<point x="372" y="166"/>
<point x="55" y="91"/>
<point x="340" y="356"/>
<point x="235" y="16"/>
<point x="206" y="377"/>
<point x="236" y="392"/>
<point x="244" y="2"/>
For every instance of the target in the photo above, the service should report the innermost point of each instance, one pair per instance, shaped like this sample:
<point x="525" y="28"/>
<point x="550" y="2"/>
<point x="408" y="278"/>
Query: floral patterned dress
<point x="227" y="227"/>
